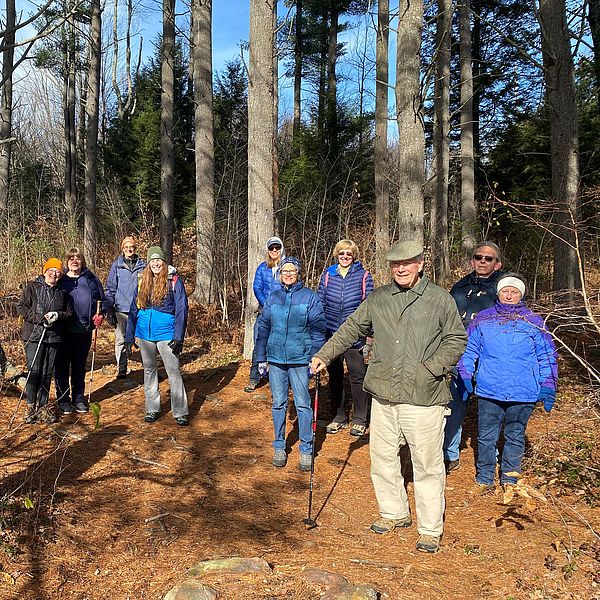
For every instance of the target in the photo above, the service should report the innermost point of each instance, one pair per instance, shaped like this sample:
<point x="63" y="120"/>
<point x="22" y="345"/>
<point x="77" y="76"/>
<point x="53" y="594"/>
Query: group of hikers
<point x="146" y="303"/>
<point x="415" y="356"/>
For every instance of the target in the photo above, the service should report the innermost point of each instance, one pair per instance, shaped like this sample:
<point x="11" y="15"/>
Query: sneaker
<point x="151" y="417"/>
<point x="251" y="386"/>
<point x="428" y="543"/>
<point x="279" y="458"/>
<point x="305" y="463"/>
<point x="31" y="415"/>
<point x="66" y="408"/>
<point x="336" y="426"/>
<point x="47" y="415"/>
<point x="383" y="525"/>
<point x="81" y="407"/>
<point x="452" y="465"/>
<point x="183" y="421"/>
<point x="482" y="489"/>
<point x="358" y="430"/>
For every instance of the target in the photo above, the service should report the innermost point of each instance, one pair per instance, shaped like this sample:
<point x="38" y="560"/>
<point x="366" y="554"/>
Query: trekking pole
<point x="309" y="522"/>
<point x="29" y="370"/>
<point x="94" y="338"/>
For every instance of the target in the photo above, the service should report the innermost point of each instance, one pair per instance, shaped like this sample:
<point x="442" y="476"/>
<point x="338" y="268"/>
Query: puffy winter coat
<point x="166" y="321"/>
<point x="417" y="338"/>
<point x="84" y="290"/>
<point x="122" y="282"/>
<point x="291" y="327"/>
<point x="37" y="299"/>
<point x="265" y="281"/>
<point x="473" y="294"/>
<point x="341" y="296"/>
<point x="510" y="353"/>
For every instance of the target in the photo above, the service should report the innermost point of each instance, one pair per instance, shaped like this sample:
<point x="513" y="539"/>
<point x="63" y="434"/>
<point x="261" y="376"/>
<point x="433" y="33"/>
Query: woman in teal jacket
<point x="291" y="329"/>
<point x="157" y="322"/>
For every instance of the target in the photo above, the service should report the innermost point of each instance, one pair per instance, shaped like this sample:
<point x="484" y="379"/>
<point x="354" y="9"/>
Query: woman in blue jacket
<point x="342" y="288"/>
<point x="266" y="278"/>
<point x="120" y="286"/>
<point x="512" y="359"/>
<point x="291" y="329"/>
<point x="157" y="322"/>
<point x="85" y="292"/>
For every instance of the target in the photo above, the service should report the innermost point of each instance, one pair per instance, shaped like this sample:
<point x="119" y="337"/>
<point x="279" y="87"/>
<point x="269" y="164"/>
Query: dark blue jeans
<point x="72" y="357"/>
<point x="492" y="415"/>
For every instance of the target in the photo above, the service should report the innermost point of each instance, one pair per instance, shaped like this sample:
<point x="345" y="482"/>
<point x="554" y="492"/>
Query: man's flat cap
<point x="404" y="250"/>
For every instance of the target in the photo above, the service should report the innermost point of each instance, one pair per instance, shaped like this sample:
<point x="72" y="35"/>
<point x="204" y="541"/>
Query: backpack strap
<point x="174" y="281"/>
<point x="364" y="284"/>
<point x="326" y="277"/>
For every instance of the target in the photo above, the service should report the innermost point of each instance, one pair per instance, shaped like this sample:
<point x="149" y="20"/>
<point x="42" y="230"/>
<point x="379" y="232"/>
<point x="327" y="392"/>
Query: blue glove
<point x="263" y="369"/>
<point x="547" y="396"/>
<point x="464" y="387"/>
<point x="310" y="372"/>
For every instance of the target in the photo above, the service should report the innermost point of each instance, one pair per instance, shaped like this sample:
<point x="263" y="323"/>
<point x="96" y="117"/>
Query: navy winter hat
<point x="291" y="260"/>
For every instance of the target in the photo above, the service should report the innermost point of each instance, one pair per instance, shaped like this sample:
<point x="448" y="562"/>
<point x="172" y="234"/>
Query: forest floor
<point x="77" y="519"/>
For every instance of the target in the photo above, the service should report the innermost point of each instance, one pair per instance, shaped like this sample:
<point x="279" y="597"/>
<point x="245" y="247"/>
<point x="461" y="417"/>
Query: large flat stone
<point x="351" y="592"/>
<point x="191" y="590"/>
<point x="323" y="578"/>
<point x="229" y="565"/>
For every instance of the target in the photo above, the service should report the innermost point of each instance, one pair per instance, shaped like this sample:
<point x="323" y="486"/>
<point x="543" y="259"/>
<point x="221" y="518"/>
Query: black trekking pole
<point x="29" y="370"/>
<point x="309" y="522"/>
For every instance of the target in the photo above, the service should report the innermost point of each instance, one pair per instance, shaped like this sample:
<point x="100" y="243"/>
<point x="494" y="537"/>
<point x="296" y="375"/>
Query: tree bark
<point x="467" y="159"/>
<point x="261" y="136"/>
<point x="564" y="141"/>
<point x="332" y="124"/>
<point x="204" y="148"/>
<point x="6" y="100"/>
<point x="441" y="142"/>
<point x="167" y="167"/>
<point x="90" y="234"/>
<point x="410" y="129"/>
<point x="297" y="77"/>
<point x="382" y="187"/>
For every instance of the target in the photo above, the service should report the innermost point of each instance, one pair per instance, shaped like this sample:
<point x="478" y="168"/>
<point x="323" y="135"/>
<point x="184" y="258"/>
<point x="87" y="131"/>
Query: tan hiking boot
<point x="383" y="525"/>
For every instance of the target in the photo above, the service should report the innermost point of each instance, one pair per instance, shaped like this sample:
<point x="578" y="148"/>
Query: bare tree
<point x="6" y="101"/>
<point x="90" y="233"/>
<point x="167" y="154"/>
<point x="441" y="142"/>
<point x="204" y="147"/>
<point x="261" y="142"/>
<point x="467" y="158"/>
<point x="564" y="139"/>
<point x="297" y="73"/>
<point x="382" y="187"/>
<point x="411" y="149"/>
<point x="69" y="100"/>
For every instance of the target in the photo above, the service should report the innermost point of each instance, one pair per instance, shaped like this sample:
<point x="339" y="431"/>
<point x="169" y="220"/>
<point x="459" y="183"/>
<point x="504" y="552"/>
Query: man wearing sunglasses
<point x="472" y="294"/>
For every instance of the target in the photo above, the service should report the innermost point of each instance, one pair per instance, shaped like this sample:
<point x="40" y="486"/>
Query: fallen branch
<point x="156" y="518"/>
<point x="148" y="462"/>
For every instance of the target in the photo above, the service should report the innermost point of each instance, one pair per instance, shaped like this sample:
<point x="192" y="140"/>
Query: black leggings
<point x="40" y="366"/>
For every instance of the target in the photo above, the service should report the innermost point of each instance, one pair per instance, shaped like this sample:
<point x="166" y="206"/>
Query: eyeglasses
<point x="350" y="254"/>
<point x="273" y="248"/>
<point x="289" y="272"/>
<point x="484" y="257"/>
<point x="53" y="272"/>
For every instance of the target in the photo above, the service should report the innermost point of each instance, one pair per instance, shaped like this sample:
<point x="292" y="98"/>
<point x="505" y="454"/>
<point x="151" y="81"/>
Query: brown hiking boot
<point x="383" y="525"/>
<point x="428" y="543"/>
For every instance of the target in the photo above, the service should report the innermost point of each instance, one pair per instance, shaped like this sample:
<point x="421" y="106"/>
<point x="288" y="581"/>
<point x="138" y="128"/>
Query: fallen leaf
<point x="7" y="578"/>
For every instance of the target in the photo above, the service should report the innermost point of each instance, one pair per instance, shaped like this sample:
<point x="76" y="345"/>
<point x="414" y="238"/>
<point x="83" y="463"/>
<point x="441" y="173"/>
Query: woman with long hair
<point x="157" y="322"/>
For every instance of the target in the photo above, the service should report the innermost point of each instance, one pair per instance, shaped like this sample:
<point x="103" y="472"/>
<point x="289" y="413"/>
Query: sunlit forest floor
<point x="122" y="511"/>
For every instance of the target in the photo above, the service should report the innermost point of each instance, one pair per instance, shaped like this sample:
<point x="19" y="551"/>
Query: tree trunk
<point x="467" y="159"/>
<point x="564" y="141"/>
<point x="594" y="22"/>
<point x="204" y="148"/>
<point x="441" y="143"/>
<point x="70" y="133"/>
<point x="410" y="129"/>
<point x="6" y="100"/>
<point x="297" y="77"/>
<point x="332" y="123"/>
<point x="382" y="187"/>
<point x="167" y="167"/>
<point x="90" y="235"/>
<point x="261" y="136"/>
<point x="476" y="62"/>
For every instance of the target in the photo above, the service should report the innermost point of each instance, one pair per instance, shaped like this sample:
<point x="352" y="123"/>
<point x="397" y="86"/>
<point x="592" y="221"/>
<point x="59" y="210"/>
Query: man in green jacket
<point x="417" y="338"/>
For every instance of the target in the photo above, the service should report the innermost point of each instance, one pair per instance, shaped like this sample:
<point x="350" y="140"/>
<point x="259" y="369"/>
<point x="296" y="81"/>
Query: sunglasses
<point x="289" y="272"/>
<point x="484" y="257"/>
<point x="272" y="248"/>
<point x="350" y="254"/>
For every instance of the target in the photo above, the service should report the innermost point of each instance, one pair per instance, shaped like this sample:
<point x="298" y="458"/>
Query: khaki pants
<point x="422" y="428"/>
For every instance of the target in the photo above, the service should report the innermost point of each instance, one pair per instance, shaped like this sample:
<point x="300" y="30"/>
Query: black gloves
<point x="128" y="348"/>
<point x="111" y="317"/>
<point x="176" y="346"/>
